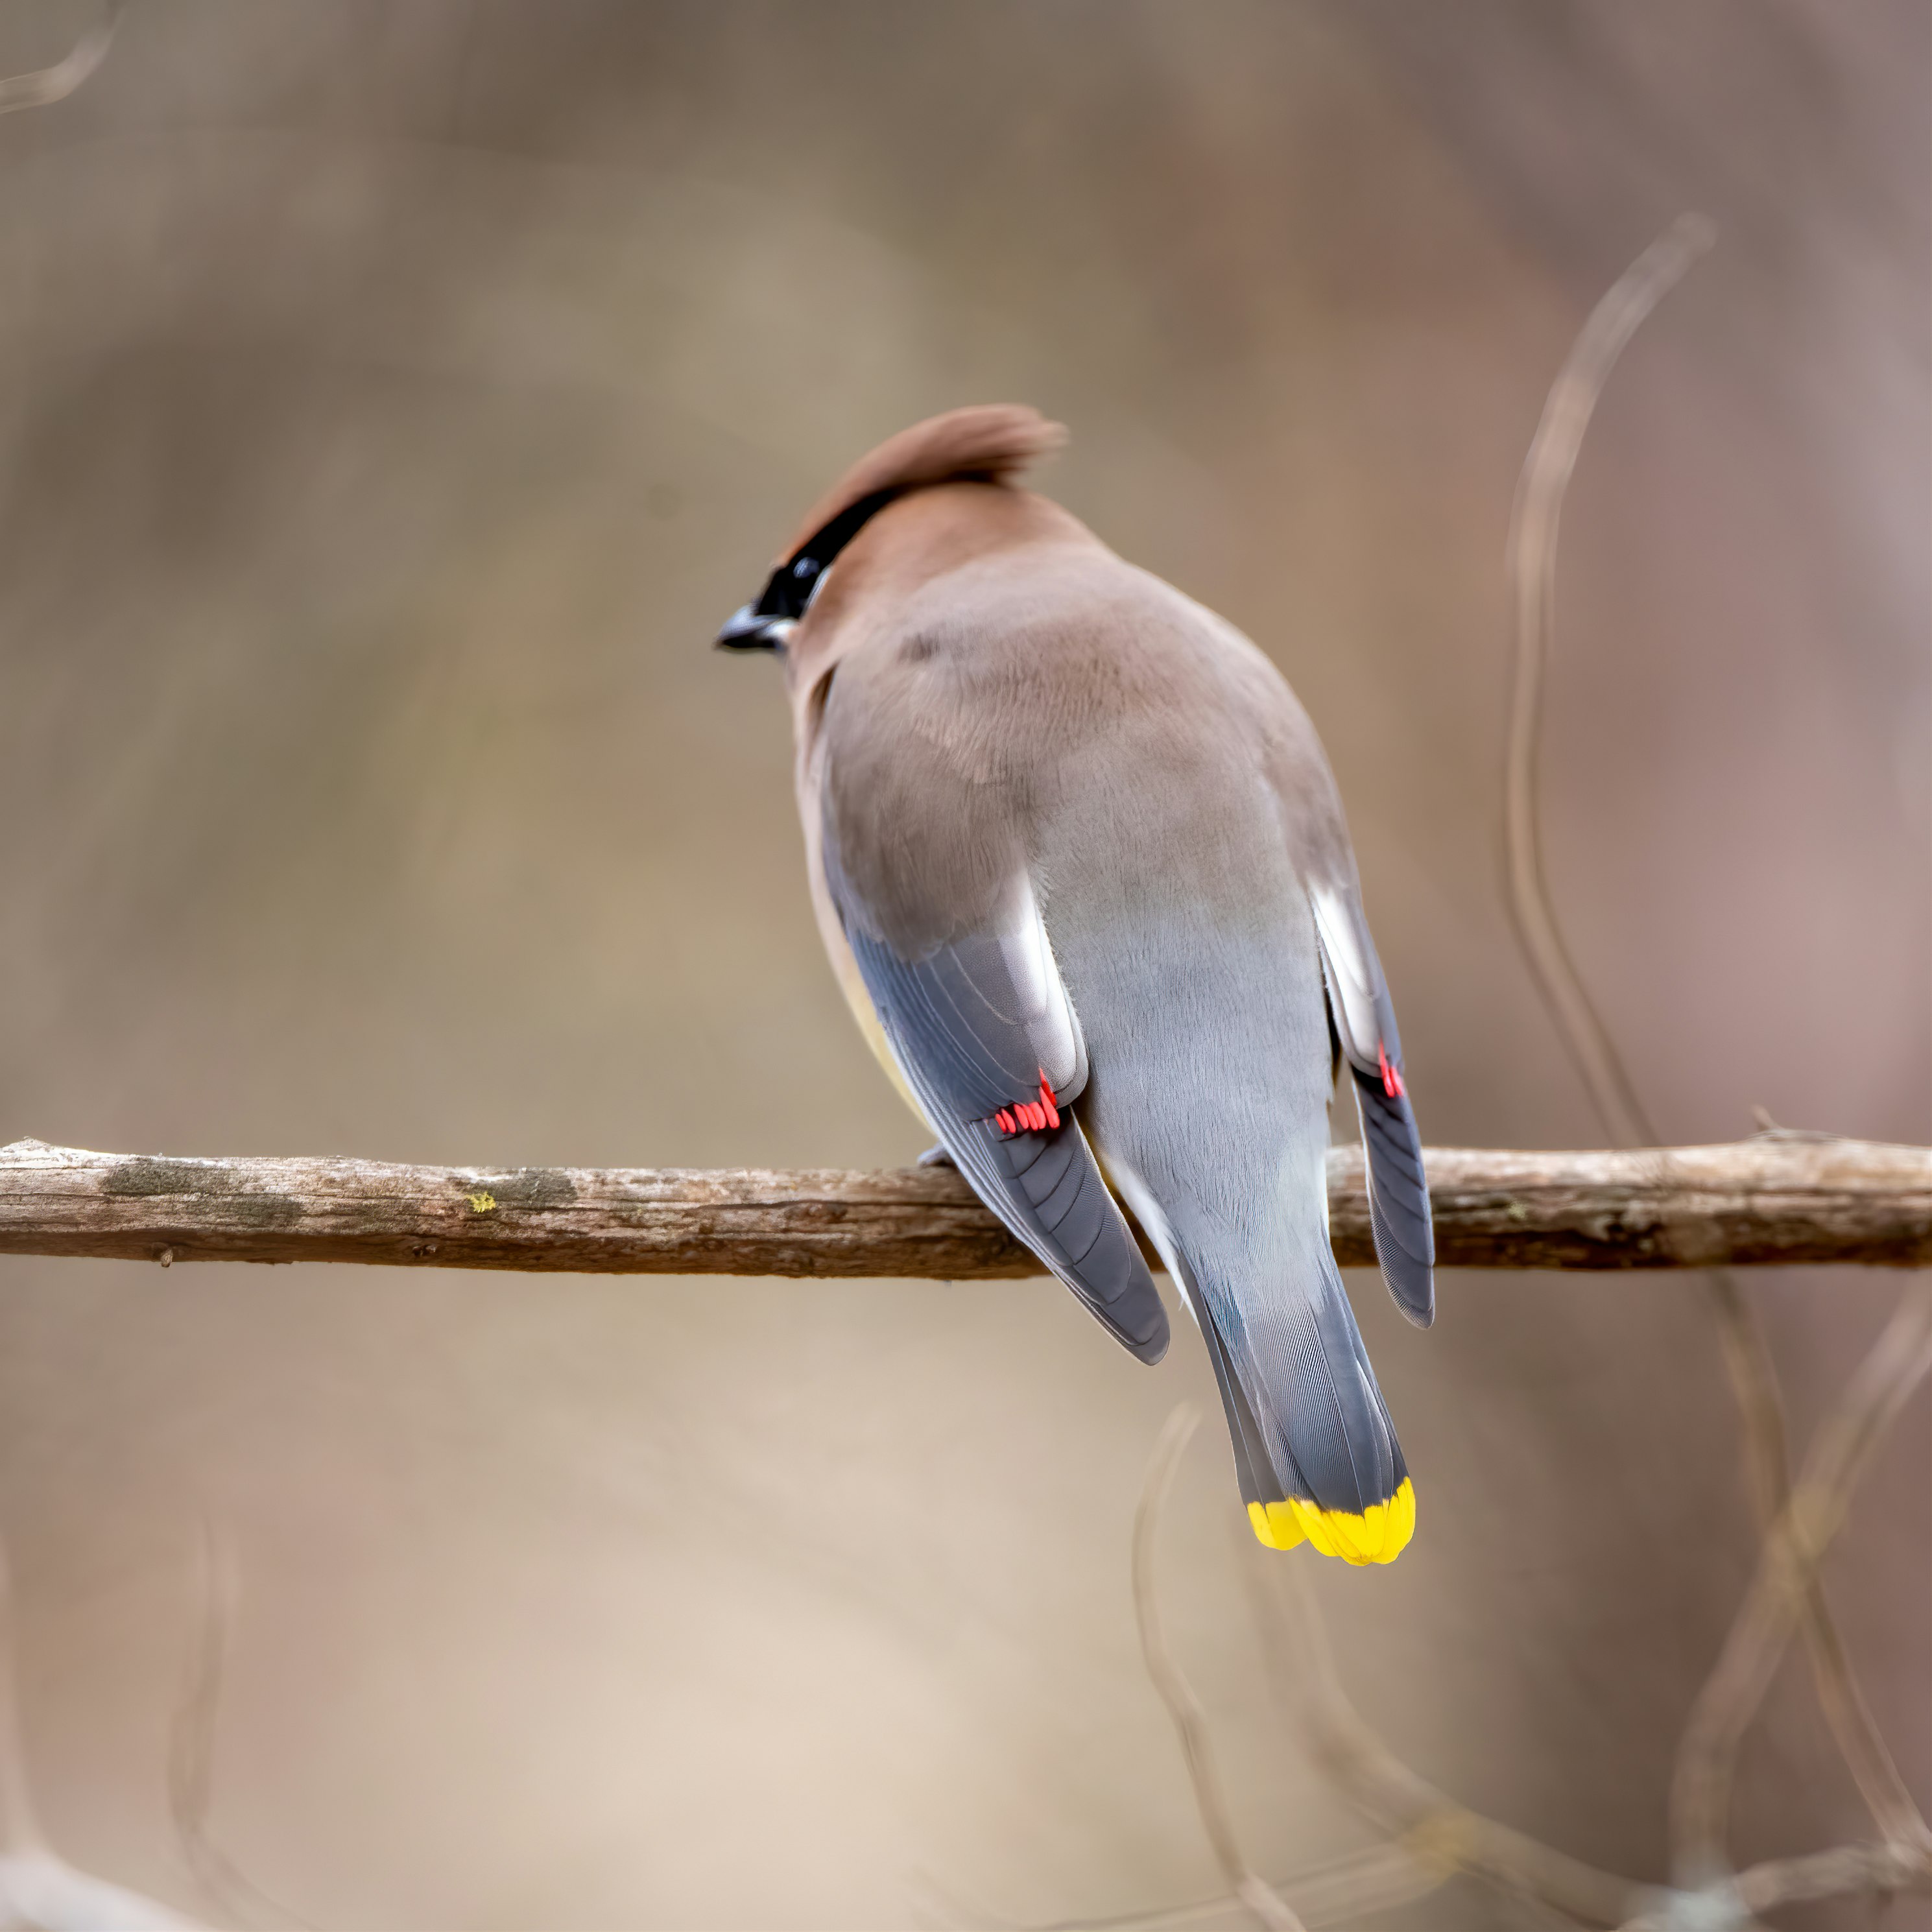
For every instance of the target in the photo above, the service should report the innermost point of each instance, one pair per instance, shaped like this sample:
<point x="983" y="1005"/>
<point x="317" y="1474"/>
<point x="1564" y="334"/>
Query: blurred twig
<point x="1434" y="1837"/>
<point x="20" y="1822"/>
<point x="1429" y="1824"/>
<point x="1847" y="1871"/>
<point x="1433" y="1834"/>
<point x="1546" y="472"/>
<point x="46" y="85"/>
<point x="1699" y="1839"/>
<point x="38" y="1889"/>
<point x="1183" y="1706"/>
<point x="1876" y="1872"/>
<point x="1701" y="1787"/>
<point x="1335" y="1893"/>
<point x="191" y="1746"/>
<point x="1429" y="1828"/>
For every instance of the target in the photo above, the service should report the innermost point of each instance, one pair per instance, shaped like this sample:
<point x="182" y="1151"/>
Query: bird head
<point x="988" y="443"/>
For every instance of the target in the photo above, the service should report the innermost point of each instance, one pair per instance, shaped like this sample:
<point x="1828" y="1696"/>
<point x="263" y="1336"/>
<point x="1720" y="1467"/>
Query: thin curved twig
<point x="1706" y="1759"/>
<point x="38" y="1887"/>
<point x="1840" y="1697"/>
<point x="1178" y="1694"/>
<point x="1845" y="1871"/>
<point x="191" y="1744"/>
<point x="1429" y="1824"/>
<point x="19" y="1820"/>
<point x="1337" y="1892"/>
<point x="1532" y="566"/>
<point x="1534" y="523"/>
<point x="1874" y="1872"/>
<point x="46" y="85"/>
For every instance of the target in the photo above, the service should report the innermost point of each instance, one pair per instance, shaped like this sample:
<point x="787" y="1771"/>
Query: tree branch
<point x="1772" y="1200"/>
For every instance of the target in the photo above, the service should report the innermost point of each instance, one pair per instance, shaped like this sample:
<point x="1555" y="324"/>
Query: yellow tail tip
<point x="1379" y="1534"/>
<point x="1274" y="1527"/>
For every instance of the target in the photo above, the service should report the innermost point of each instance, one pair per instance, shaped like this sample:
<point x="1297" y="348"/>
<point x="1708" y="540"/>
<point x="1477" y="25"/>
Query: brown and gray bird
<point x="1081" y="868"/>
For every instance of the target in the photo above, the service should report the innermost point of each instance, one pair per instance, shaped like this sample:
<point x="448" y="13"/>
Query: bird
<point x="1080" y="864"/>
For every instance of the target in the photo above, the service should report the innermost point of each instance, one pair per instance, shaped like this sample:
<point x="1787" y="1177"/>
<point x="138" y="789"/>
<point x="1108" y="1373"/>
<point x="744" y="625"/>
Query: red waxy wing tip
<point x="1391" y="1076"/>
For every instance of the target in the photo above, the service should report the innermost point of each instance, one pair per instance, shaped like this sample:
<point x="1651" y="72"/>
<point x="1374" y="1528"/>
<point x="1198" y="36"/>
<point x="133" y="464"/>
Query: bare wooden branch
<point x="1770" y="1201"/>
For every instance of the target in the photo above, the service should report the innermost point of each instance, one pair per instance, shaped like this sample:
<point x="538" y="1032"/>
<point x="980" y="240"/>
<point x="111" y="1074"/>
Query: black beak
<point x="749" y="628"/>
<point x="765" y="625"/>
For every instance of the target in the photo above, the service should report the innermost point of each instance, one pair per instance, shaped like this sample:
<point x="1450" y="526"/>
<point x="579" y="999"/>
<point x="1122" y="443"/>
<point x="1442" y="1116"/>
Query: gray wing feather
<point x="973" y="1025"/>
<point x="1363" y="1016"/>
<point x="987" y="1011"/>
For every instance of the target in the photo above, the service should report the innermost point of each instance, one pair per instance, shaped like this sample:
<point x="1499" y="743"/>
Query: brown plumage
<point x="991" y="442"/>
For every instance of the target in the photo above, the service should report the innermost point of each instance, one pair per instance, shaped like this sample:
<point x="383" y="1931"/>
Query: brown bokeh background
<point x="397" y="395"/>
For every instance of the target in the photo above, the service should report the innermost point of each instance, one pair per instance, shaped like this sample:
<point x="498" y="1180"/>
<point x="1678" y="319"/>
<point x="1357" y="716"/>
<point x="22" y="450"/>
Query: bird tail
<point x="1314" y="1451"/>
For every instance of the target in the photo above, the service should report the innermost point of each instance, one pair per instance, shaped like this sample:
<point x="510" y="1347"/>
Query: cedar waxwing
<point x="1081" y="868"/>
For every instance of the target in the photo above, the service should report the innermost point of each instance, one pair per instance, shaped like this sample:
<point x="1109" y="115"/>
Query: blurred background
<point x="397" y="394"/>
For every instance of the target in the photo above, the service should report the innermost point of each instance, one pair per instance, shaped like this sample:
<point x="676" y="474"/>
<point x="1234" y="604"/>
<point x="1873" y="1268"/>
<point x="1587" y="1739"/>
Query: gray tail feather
<point x="1305" y="1413"/>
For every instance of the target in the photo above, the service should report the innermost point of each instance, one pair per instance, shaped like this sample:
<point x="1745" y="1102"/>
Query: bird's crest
<point x="989" y="443"/>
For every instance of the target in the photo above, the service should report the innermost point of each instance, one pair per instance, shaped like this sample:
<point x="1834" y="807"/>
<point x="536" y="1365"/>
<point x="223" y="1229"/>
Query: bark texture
<point x="1775" y="1200"/>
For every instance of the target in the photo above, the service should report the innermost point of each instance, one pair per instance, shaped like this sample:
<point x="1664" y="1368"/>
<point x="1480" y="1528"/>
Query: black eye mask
<point x="762" y="626"/>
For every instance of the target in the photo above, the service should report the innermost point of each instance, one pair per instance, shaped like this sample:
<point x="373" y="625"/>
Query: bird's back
<point x="1069" y="827"/>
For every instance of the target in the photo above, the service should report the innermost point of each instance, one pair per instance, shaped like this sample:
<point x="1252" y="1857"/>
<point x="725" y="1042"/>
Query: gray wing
<point x="977" y="1024"/>
<point x="1363" y="1018"/>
